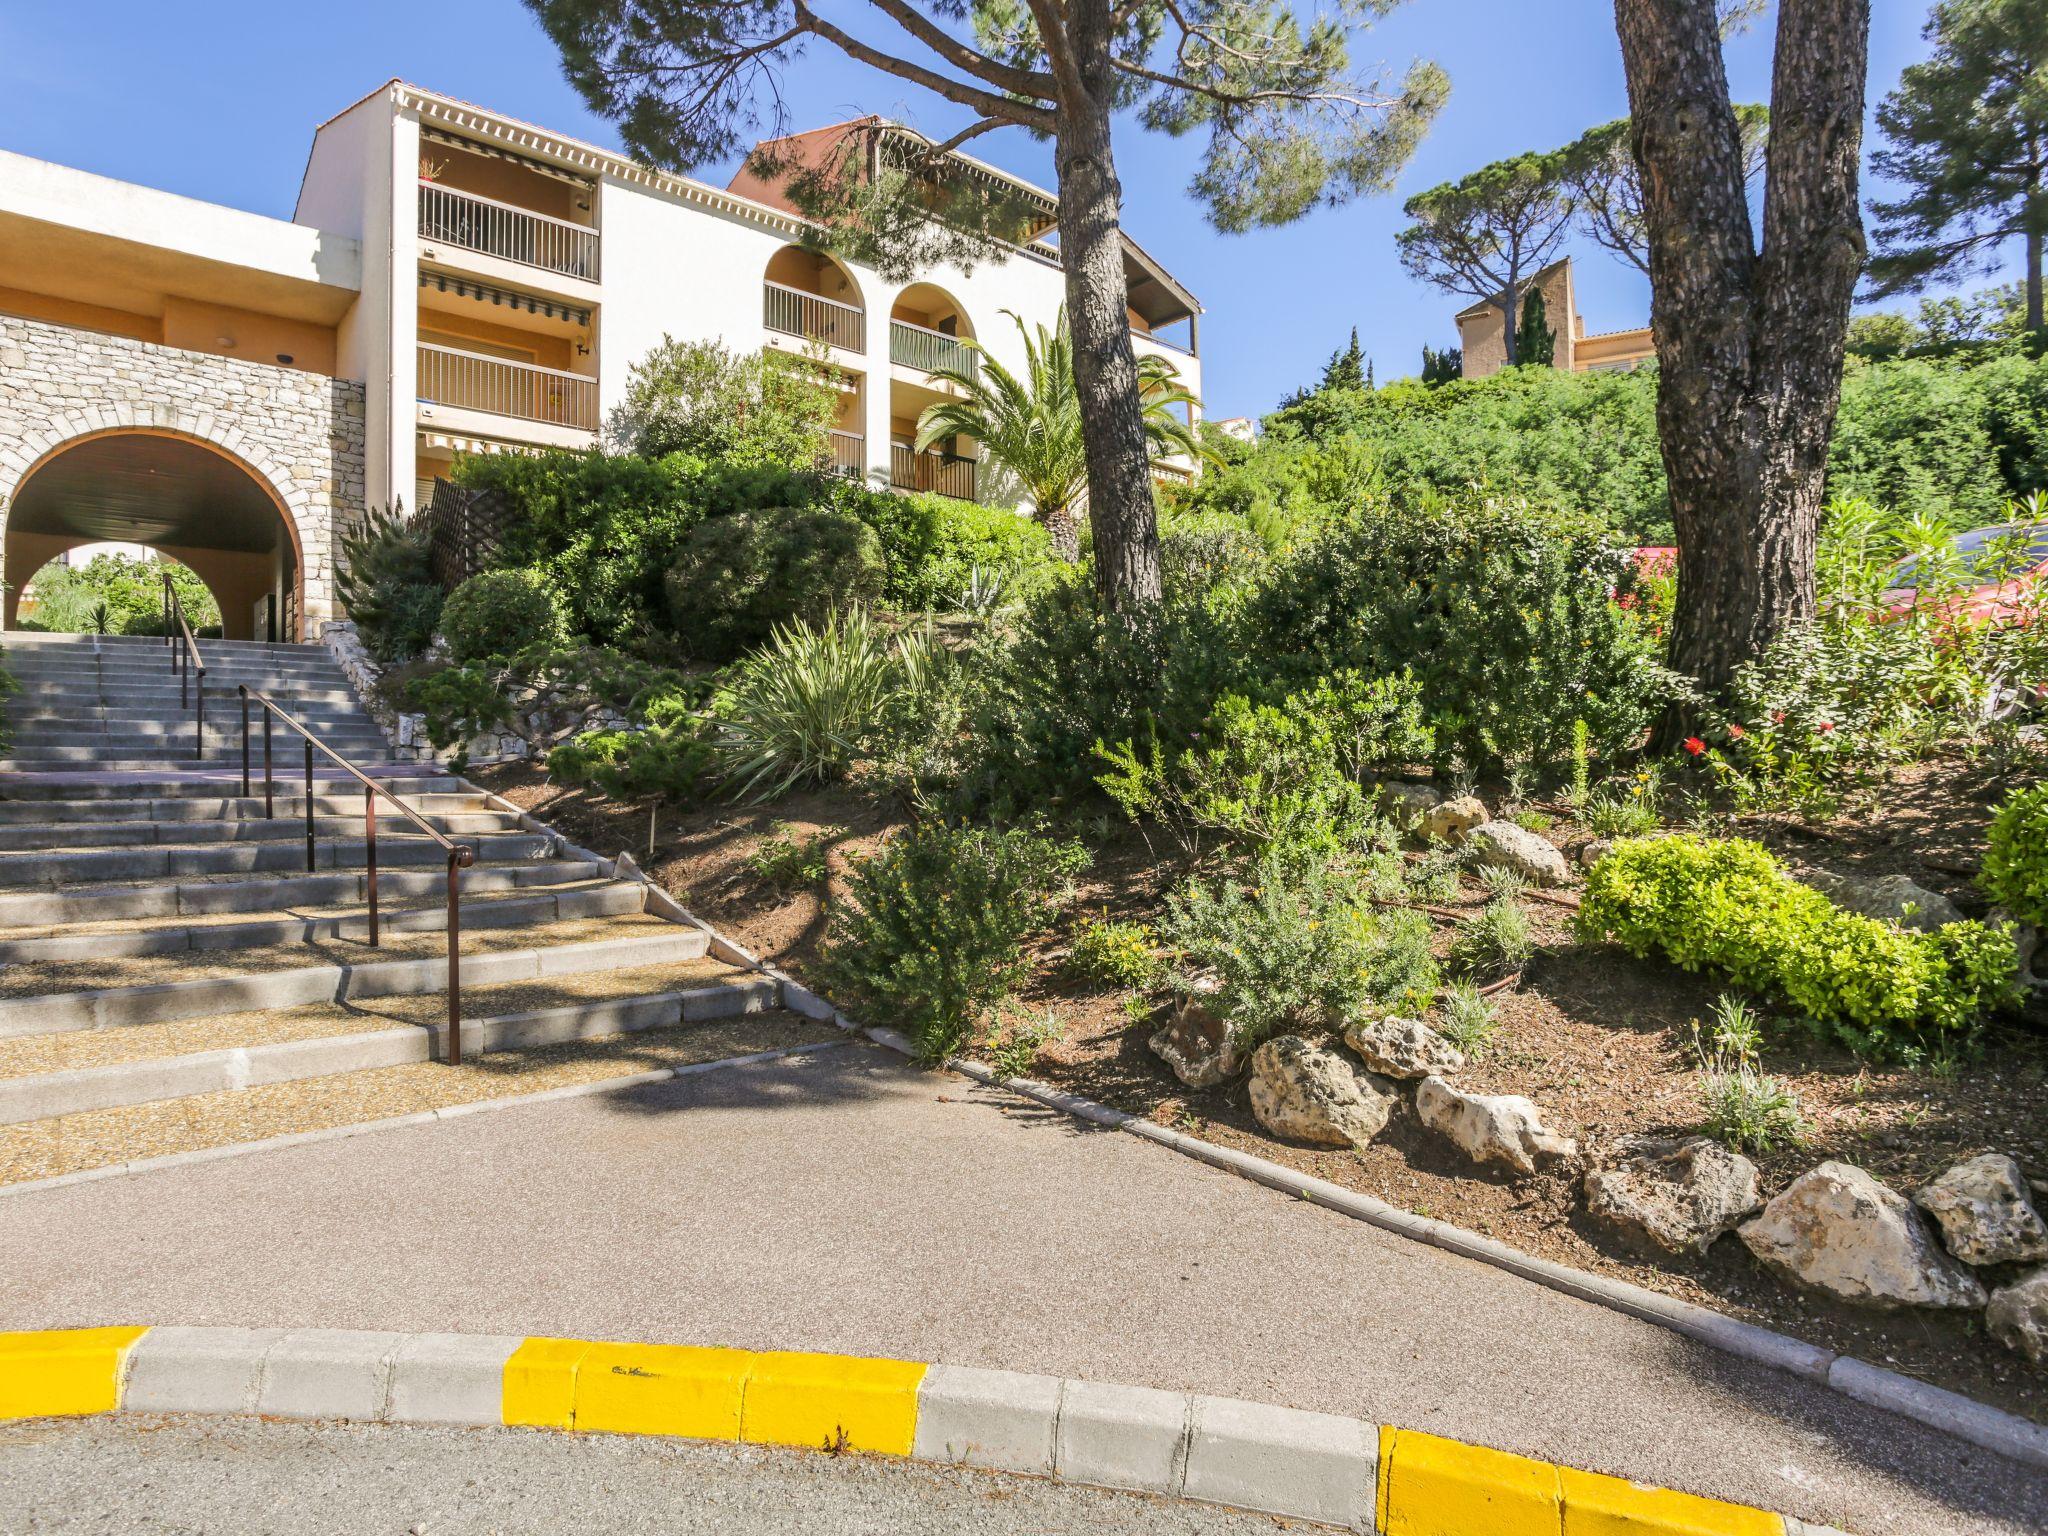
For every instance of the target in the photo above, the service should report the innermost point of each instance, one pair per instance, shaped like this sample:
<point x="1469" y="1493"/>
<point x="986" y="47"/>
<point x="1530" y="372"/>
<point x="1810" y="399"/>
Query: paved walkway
<point x="844" y="1202"/>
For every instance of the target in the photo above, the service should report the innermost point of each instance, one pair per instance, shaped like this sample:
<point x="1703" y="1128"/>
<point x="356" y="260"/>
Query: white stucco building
<point x="232" y="390"/>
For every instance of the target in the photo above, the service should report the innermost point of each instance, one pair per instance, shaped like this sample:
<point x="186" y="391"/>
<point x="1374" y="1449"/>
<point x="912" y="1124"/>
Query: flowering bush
<point x="1728" y="906"/>
<point x="933" y="930"/>
<point x="1115" y="954"/>
<point x="2016" y="856"/>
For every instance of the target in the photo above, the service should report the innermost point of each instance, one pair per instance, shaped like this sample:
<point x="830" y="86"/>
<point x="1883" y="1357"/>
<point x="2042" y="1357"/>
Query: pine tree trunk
<point x="1749" y="346"/>
<point x="2034" y="279"/>
<point x="1121" y="514"/>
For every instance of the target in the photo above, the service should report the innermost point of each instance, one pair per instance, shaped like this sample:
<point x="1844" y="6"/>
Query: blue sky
<point x="219" y="99"/>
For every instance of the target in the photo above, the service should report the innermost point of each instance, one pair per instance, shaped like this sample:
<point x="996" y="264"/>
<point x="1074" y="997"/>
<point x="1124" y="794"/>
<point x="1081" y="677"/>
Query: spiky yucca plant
<point x="799" y="709"/>
<point x="1031" y="424"/>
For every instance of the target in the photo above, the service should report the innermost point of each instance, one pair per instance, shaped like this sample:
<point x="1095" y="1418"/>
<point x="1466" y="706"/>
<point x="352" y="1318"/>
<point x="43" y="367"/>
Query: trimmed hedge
<point x="737" y="577"/>
<point x="2016" y="856"/>
<point x="1730" y="907"/>
<point x="500" y="613"/>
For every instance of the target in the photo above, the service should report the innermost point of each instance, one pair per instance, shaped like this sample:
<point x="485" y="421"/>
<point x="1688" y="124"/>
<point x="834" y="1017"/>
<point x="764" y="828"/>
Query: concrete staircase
<point x="173" y="978"/>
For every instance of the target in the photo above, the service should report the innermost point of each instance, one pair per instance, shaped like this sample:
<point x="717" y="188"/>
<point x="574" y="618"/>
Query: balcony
<point x="849" y="453"/>
<point x="469" y="382"/>
<point x="794" y="312"/>
<point x="948" y="474"/>
<point x="922" y="348"/>
<point x="492" y="228"/>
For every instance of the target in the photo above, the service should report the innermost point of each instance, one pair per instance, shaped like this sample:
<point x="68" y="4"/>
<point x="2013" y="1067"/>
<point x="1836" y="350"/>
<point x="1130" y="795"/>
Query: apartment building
<point x="232" y="390"/>
<point x="1483" y="338"/>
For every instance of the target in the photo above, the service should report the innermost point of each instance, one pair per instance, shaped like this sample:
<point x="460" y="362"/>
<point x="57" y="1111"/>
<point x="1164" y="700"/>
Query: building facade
<point x="233" y="390"/>
<point x="1482" y="334"/>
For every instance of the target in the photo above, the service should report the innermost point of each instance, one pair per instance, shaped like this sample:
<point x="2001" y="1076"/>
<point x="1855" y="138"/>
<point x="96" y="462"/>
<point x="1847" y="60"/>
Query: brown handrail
<point x="459" y="856"/>
<point x="186" y="665"/>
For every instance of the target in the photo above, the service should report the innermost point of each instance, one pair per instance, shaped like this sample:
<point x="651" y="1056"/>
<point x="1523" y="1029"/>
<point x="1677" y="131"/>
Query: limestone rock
<point x="1409" y="804"/>
<point x="1403" y="1047"/>
<point x="2018" y="1315"/>
<point x="1451" y="820"/>
<point x="1196" y="1044"/>
<point x="1504" y="845"/>
<point x="1673" y="1196"/>
<point x="1491" y="1128"/>
<point x="1837" y="1230"/>
<point x="1984" y="1213"/>
<point x="1593" y="850"/>
<point x="1890" y="898"/>
<point x="1306" y="1092"/>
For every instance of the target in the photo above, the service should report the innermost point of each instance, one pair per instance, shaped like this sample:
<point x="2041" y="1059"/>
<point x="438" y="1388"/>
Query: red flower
<point x="1777" y="717"/>
<point x="1694" y="745"/>
<point x="1826" y="726"/>
<point x="1735" y="733"/>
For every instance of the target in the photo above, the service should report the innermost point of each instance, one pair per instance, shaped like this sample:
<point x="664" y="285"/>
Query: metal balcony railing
<point x="921" y="347"/>
<point x="473" y="383"/>
<point x="849" y="453"/>
<point x="500" y="229"/>
<point x="949" y="474"/>
<point x="797" y="313"/>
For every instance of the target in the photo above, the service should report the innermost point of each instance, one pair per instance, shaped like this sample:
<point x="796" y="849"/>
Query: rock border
<point x="1334" y="1470"/>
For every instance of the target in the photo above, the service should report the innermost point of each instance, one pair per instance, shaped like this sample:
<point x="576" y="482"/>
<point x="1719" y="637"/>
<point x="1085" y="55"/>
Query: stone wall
<point x="301" y="433"/>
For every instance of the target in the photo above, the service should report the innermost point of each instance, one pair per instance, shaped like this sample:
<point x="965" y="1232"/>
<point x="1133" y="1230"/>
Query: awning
<point x="472" y="146"/>
<point x="469" y="288"/>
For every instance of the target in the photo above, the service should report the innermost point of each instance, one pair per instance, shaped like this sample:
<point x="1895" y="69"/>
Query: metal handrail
<point x="186" y="665"/>
<point x="460" y="857"/>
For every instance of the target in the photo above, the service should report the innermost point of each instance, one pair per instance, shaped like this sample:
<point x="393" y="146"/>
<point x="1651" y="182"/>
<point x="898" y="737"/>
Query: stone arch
<point x="64" y="432"/>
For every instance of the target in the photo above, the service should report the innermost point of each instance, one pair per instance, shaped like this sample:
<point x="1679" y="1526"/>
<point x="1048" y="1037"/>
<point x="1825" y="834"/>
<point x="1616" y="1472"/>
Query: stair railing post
<point x="199" y="721"/>
<point x="269" y="778"/>
<point x="370" y="859"/>
<point x="243" y="690"/>
<point x="309" y="806"/>
<point x="455" y="957"/>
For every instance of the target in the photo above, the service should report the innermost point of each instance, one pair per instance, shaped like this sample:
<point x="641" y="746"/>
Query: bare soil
<point x="1601" y="1041"/>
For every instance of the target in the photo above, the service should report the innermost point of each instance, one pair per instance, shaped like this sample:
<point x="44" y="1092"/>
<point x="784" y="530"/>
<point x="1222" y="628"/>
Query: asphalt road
<point x="142" y="1477"/>
<point x="845" y="1202"/>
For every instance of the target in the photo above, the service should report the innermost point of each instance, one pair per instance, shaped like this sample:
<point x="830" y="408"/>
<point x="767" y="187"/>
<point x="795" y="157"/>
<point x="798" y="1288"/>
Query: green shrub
<point x="1467" y="1019"/>
<point x="1397" y="957"/>
<point x="791" y="863"/>
<point x="1497" y="941"/>
<point x="1290" y="947"/>
<point x="931" y="932"/>
<point x="1503" y="613"/>
<point x="1728" y="906"/>
<point x="500" y="613"/>
<point x="735" y="578"/>
<point x="2015" y="871"/>
<point x="1115" y="954"/>
<point x="1743" y="1108"/>
<point x="933" y="545"/>
<point x="670" y="758"/>
<point x="118" y="594"/>
<point x="801" y="709"/>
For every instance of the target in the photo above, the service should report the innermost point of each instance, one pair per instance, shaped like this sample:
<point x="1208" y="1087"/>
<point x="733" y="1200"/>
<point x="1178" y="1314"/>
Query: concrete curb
<point x="1325" y="1468"/>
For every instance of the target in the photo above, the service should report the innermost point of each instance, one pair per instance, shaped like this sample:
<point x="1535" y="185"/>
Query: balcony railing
<point x="946" y="473"/>
<point x="797" y="313"/>
<point x="473" y="383"/>
<point x="849" y="453"/>
<point x="499" y="229"/>
<point x="921" y="347"/>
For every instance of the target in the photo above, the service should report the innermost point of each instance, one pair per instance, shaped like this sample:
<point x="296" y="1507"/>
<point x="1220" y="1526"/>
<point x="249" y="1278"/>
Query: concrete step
<point x="46" y="997"/>
<point x="90" y="712"/>
<point x="30" y="914"/>
<point x="289" y="804"/>
<point x="81" y="837"/>
<point x="144" y="693"/>
<point x="203" y="781"/>
<point x="423" y="913"/>
<point x="56" y="869"/>
<point x="158" y="733"/>
<point x="129" y="759"/>
<point x="35" y="639"/>
<point x="133" y="663"/>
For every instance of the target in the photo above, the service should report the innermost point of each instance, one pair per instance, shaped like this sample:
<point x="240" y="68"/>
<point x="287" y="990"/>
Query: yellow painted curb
<point x="63" y="1371"/>
<point x="836" y="1402"/>
<point x="662" y="1389"/>
<point x="1613" y="1506"/>
<point x="1430" y="1486"/>
<point x="540" y="1383"/>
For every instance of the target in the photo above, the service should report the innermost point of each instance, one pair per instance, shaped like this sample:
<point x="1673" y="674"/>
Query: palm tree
<point x="1032" y="425"/>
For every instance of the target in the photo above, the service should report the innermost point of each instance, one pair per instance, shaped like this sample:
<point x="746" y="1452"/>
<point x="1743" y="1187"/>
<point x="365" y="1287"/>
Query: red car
<point x="1994" y="573"/>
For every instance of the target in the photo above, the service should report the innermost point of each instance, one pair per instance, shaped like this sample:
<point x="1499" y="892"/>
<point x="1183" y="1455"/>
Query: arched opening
<point x="927" y="327"/>
<point x="114" y="589"/>
<point x="808" y="294"/>
<point x="186" y="499"/>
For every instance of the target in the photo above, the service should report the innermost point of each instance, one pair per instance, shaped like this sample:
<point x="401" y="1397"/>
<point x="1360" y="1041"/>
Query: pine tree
<point x="1345" y="367"/>
<point x="1535" y="341"/>
<point x="1442" y="367"/>
<point x="1967" y="133"/>
<point x="1369" y="385"/>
